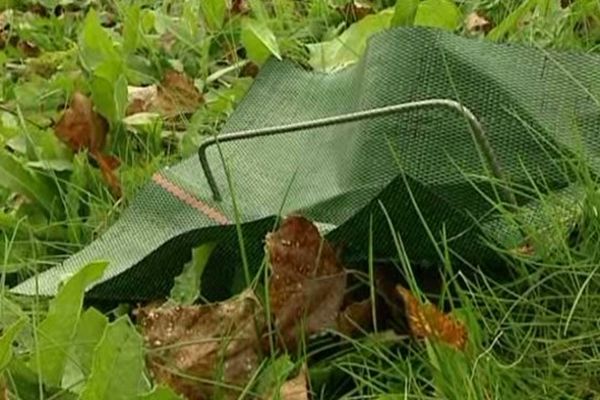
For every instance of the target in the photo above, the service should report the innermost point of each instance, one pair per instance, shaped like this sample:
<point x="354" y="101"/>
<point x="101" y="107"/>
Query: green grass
<point x="531" y="337"/>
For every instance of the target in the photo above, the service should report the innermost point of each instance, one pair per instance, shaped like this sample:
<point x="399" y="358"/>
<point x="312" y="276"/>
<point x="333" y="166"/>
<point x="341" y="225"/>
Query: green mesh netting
<point x="528" y="100"/>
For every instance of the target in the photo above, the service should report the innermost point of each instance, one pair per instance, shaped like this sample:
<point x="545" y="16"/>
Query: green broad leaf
<point x="18" y="178"/>
<point x="259" y="41"/>
<point x="259" y="9"/>
<point x="274" y="375"/>
<point x="56" y="331"/>
<point x="110" y="98"/>
<point x="511" y="22"/>
<point x="51" y="165"/>
<point x="90" y="330"/>
<point x="186" y="289"/>
<point x="10" y="312"/>
<point x="24" y="381"/>
<point x="120" y="97"/>
<point x="160" y="393"/>
<point x="214" y="13"/>
<point x="404" y="12"/>
<point x="6" y="342"/>
<point x="17" y="143"/>
<point x="95" y="43"/>
<point x="118" y="366"/>
<point x="110" y="70"/>
<point x="442" y="14"/>
<point x="131" y="28"/>
<point x="45" y="145"/>
<point x="147" y="19"/>
<point x="347" y="49"/>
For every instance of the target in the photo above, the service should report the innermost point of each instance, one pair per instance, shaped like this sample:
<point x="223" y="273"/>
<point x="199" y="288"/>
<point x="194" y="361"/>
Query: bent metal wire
<point x="474" y="124"/>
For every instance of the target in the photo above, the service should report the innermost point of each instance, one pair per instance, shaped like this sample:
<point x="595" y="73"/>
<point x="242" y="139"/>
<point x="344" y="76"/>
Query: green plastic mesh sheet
<point x="531" y="103"/>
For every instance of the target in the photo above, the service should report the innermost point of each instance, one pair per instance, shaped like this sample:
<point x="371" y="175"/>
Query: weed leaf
<point x="118" y="366"/>
<point x="442" y="14"/>
<point x="346" y="49"/>
<point x="293" y="389"/>
<point x="90" y="330"/>
<point x="274" y="375"/>
<point x="214" y="12"/>
<point x="97" y="47"/>
<point x="56" y="332"/>
<point x="16" y="177"/>
<point x="186" y="289"/>
<point x="6" y="343"/>
<point x="259" y="41"/>
<point x="404" y="12"/>
<point x="511" y="22"/>
<point x="131" y="28"/>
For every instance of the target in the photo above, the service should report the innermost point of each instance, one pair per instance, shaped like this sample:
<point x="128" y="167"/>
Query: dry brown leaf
<point x="355" y="10"/>
<point x="427" y="321"/>
<point x="239" y="7"/>
<point x="475" y="22"/>
<point x="307" y="284"/>
<point x="82" y="128"/>
<point x="526" y="249"/>
<point x="175" y="95"/>
<point x="250" y="69"/>
<point x="28" y="48"/>
<point x="192" y="346"/>
<point x="294" y="389"/>
<point x="4" y="392"/>
<point x="141" y="98"/>
<point x="356" y="318"/>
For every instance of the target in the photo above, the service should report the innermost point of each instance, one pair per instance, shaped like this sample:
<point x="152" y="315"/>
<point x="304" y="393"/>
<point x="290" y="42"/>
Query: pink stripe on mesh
<point x="189" y="199"/>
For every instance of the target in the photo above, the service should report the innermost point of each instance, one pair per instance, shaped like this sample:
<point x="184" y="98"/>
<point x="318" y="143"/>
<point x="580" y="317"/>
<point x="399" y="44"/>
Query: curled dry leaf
<point x="175" y="95"/>
<point x="307" y="284"/>
<point x="356" y="318"/>
<point x="526" y="249"/>
<point x="250" y="69"/>
<point x="475" y="22"/>
<point x="140" y="98"/>
<point x="81" y="128"/>
<point x="202" y="351"/>
<point x="355" y="11"/>
<point x="427" y="321"/>
<point x="240" y="7"/>
<point x="294" y="389"/>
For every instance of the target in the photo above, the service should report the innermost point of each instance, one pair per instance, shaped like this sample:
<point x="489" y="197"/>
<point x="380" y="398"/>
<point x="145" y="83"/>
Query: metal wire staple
<point x="476" y="128"/>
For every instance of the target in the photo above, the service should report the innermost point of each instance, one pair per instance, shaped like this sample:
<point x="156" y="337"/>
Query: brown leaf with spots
<point x="204" y="351"/>
<point x="354" y="11"/>
<point x="82" y="128"/>
<point x="427" y="321"/>
<point x="307" y="284"/>
<point x="174" y="96"/>
<point x="475" y="22"/>
<point x="295" y="388"/>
